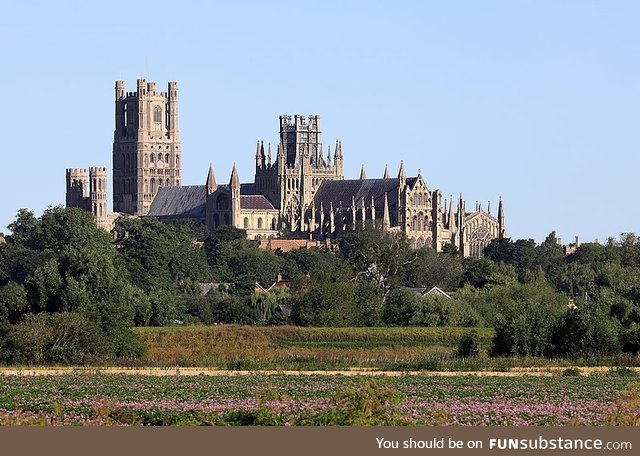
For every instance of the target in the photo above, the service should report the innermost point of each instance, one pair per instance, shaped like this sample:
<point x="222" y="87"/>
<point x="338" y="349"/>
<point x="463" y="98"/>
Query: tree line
<point x="70" y="292"/>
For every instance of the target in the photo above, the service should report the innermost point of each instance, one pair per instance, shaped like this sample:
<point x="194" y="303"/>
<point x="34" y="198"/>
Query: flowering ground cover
<point x="95" y="399"/>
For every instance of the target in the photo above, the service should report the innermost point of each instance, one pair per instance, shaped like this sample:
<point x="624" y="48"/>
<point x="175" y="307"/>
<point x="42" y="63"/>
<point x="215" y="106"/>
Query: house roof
<point x="184" y="201"/>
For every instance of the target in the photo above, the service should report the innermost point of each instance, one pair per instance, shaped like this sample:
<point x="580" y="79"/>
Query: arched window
<point x="246" y="223"/>
<point x="166" y="158"/>
<point x="146" y="160"/>
<point x="274" y="224"/>
<point x="177" y="161"/>
<point x="222" y="203"/>
<point x="153" y="158"/>
<point x="166" y="182"/>
<point x="226" y="219"/>
<point x="259" y="223"/>
<point x="216" y="220"/>
<point x="153" y="185"/>
<point x="157" y="118"/>
<point x="146" y="186"/>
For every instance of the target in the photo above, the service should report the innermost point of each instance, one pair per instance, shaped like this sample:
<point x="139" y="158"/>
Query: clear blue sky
<point x="536" y="101"/>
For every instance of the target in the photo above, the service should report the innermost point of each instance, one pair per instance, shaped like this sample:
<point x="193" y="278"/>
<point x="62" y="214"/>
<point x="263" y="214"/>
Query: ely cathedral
<point x="298" y="187"/>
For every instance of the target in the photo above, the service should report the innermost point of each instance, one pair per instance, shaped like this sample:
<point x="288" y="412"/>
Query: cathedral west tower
<point x="146" y="145"/>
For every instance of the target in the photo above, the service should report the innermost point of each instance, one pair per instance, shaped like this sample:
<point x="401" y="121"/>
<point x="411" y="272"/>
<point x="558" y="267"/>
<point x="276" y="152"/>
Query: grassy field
<point x="90" y="399"/>
<point x="296" y="348"/>
<point x="290" y="347"/>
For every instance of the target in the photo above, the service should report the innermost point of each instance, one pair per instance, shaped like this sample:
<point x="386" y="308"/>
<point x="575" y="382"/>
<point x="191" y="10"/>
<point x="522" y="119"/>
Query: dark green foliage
<point x="160" y="256"/>
<point x="379" y="255"/>
<point x="234" y="260"/>
<point x="400" y="306"/>
<point x="469" y="345"/>
<point x="587" y="331"/>
<point x="13" y="302"/>
<point x="630" y="339"/>
<point x="56" y="338"/>
<point x="442" y="311"/>
<point x="526" y="318"/>
<point x="428" y="269"/>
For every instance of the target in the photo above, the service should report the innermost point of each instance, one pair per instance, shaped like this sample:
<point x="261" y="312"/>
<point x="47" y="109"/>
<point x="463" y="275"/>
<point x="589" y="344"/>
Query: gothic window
<point x="246" y="223"/>
<point x="153" y="158"/>
<point x="146" y="186"/>
<point x="157" y="118"/>
<point x="177" y="161"/>
<point x="414" y="223"/>
<point x="166" y="182"/>
<point x="166" y="158"/>
<point x="216" y="220"/>
<point x="146" y="160"/>
<point x="153" y="185"/>
<point x="420" y="221"/>
<point x="222" y="203"/>
<point x="226" y="219"/>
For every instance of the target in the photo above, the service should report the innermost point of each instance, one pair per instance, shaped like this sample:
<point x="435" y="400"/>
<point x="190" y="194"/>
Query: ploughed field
<point x="259" y="399"/>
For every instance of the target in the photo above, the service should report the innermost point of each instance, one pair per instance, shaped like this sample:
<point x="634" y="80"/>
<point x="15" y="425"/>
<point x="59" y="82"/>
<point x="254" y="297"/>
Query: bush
<point x="56" y="338"/>
<point x="586" y="332"/>
<point x="469" y="347"/>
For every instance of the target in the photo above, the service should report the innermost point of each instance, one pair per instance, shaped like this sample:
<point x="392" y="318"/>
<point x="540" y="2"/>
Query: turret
<point x="98" y="192"/>
<point x="501" y="227"/>
<point x="260" y="158"/>
<point x="211" y="181"/>
<point x="402" y="175"/>
<point x="338" y="160"/>
<point x="234" y="186"/>
<point x="77" y="191"/>
<point x="451" y="221"/>
<point x="386" y="223"/>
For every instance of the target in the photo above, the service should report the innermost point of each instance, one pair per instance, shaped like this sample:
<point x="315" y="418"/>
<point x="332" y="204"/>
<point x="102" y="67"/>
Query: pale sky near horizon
<point x="534" y="101"/>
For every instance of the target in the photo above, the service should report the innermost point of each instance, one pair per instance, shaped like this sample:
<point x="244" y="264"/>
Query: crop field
<point x="258" y="399"/>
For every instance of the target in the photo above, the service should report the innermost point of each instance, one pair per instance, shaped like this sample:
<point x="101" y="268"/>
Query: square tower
<point x="146" y="145"/>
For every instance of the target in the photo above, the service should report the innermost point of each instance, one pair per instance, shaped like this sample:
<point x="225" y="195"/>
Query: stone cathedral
<point x="297" y="187"/>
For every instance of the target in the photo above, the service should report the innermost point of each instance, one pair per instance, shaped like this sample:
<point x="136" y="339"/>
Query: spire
<point x="386" y="172"/>
<point x="489" y="207"/>
<point x="269" y="155"/>
<point x="386" y="223"/>
<point x="329" y="156"/>
<point x="501" y="228"/>
<point x="452" y="222"/>
<point x="260" y="155"/>
<point x="211" y="181"/>
<point x="339" y="149"/>
<point x="363" y="174"/>
<point x="234" y="182"/>
<point x="353" y="212"/>
<point x="402" y="176"/>
<point x="373" y="211"/>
